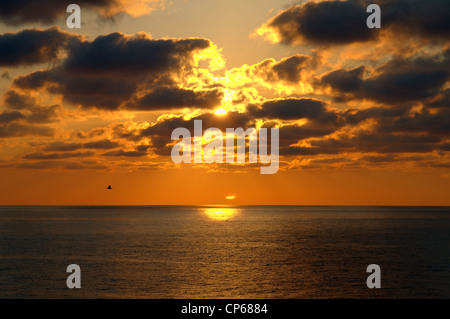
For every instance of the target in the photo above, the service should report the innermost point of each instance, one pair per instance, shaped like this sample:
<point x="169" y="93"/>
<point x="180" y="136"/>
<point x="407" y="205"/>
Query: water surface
<point x="242" y="252"/>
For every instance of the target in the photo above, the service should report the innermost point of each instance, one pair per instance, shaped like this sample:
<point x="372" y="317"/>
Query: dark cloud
<point x="61" y="146"/>
<point x="344" y="80"/>
<point x="165" y="127"/>
<point x="442" y="101"/>
<point x="379" y="158"/>
<point x="343" y="22"/>
<point x="437" y="124"/>
<point x="92" y="133"/>
<point x="125" y="153"/>
<point x="33" y="81"/>
<point x="372" y="160"/>
<point x="367" y="142"/>
<point x="333" y="22"/>
<point x="399" y="80"/>
<point x="445" y="147"/>
<point x="288" y="109"/>
<point x="29" y="47"/>
<point x="356" y="116"/>
<point x="18" y="101"/>
<point x="395" y="87"/>
<point x="27" y="11"/>
<point x="293" y="133"/>
<point x="426" y="18"/>
<point x="308" y="151"/>
<point x="289" y="69"/>
<point x="394" y="130"/>
<point x="143" y="148"/>
<point x="7" y="117"/>
<point x="103" y="144"/>
<point x="30" y="110"/>
<point x="163" y="98"/>
<point x="55" y="164"/>
<point x="19" y="130"/>
<point x="51" y="156"/>
<point x="5" y="75"/>
<point x="107" y="72"/>
<point x="118" y="54"/>
<point x="123" y="131"/>
<point x="43" y="114"/>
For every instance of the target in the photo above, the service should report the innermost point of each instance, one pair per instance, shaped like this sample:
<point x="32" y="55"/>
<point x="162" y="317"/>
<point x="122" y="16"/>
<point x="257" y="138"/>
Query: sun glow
<point x="221" y="111"/>
<point x="220" y="214"/>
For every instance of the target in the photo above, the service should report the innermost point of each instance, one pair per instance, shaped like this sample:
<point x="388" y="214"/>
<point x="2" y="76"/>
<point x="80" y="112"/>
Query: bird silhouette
<point x="109" y="187"/>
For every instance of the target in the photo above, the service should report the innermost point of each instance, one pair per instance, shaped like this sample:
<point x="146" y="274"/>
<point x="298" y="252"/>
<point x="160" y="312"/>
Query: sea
<point x="255" y="252"/>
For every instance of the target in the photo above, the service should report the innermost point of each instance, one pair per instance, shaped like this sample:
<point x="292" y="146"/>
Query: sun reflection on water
<point x="219" y="213"/>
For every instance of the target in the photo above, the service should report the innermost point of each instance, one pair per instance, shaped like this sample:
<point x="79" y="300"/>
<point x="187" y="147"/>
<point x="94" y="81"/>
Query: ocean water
<point x="223" y="252"/>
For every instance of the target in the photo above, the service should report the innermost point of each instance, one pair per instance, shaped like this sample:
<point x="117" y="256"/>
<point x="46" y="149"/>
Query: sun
<point x="221" y="112"/>
<point x="230" y="197"/>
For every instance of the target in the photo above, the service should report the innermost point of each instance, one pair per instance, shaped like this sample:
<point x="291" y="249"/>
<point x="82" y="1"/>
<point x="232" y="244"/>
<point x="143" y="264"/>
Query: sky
<point x="363" y="114"/>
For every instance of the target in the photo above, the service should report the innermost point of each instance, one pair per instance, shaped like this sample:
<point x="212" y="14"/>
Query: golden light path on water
<point x="219" y="213"/>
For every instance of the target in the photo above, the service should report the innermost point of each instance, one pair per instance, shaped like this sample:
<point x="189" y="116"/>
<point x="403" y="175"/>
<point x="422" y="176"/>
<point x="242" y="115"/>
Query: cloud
<point x="30" y="109"/>
<point x="366" y="142"/>
<point x="111" y="71"/>
<point x="289" y="69"/>
<point x="392" y="130"/>
<point x="32" y="46"/>
<point x="164" y="126"/>
<point x="43" y="114"/>
<point x="345" y="81"/>
<point x="442" y="101"/>
<point x="390" y="108"/>
<point x="26" y="11"/>
<point x="289" y="109"/>
<point x="436" y="124"/>
<point x="102" y="144"/>
<point x="396" y="129"/>
<point x="51" y="156"/>
<point x="321" y="122"/>
<point x="166" y="98"/>
<point x="344" y="22"/>
<point x="330" y="22"/>
<point x="292" y="133"/>
<point x="125" y="153"/>
<point x="117" y="54"/>
<point x="356" y="116"/>
<point x="288" y="75"/>
<point x="399" y="80"/>
<point x="7" y="117"/>
<point x="5" y="75"/>
<point x="160" y="131"/>
<point x="20" y="130"/>
<point x="61" y="146"/>
<point x="425" y="18"/>
<point x="18" y="101"/>
<point x="404" y="86"/>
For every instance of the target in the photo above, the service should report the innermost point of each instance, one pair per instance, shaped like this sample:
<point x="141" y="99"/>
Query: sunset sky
<point x="363" y="114"/>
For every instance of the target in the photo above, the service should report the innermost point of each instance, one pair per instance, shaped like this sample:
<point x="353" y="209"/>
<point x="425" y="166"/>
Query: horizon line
<point x="213" y="205"/>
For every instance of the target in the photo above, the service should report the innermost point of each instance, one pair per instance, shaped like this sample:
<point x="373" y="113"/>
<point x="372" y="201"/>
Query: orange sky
<point x="363" y="116"/>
